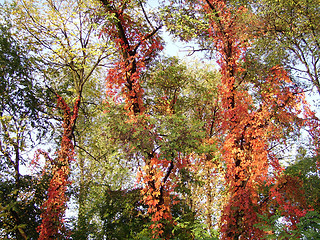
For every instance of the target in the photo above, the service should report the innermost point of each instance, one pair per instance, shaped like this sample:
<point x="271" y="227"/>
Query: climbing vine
<point x="52" y="226"/>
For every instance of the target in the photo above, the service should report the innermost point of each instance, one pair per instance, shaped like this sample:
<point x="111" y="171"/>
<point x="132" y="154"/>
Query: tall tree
<point x="63" y="34"/>
<point x="22" y="125"/>
<point x="249" y="124"/>
<point x="138" y="43"/>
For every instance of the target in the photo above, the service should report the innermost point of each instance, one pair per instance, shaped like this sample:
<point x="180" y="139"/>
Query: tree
<point x="103" y="167"/>
<point x="122" y="214"/>
<point x="183" y="99"/>
<point x="64" y="32"/>
<point x="251" y="120"/>
<point x="246" y="132"/>
<point x="136" y="48"/>
<point x="23" y="125"/>
<point x="291" y="29"/>
<point x="289" y="36"/>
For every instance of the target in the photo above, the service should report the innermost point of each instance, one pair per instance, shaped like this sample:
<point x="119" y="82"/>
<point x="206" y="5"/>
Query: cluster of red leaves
<point x="156" y="194"/>
<point x="248" y="129"/>
<point x="136" y="47"/>
<point x="54" y="207"/>
<point x="158" y="190"/>
<point x="287" y="196"/>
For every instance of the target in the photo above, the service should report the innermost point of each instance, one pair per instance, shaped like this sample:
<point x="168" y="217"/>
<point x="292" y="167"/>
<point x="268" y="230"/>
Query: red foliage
<point x="136" y="47"/>
<point x="54" y="208"/>
<point x="287" y="196"/>
<point x="248" y="129"/>
<point x="158" y="190"/>
<point x="156" y="194"/>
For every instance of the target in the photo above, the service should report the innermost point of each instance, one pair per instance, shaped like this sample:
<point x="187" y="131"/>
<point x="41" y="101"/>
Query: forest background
<point x="103" y="136"/>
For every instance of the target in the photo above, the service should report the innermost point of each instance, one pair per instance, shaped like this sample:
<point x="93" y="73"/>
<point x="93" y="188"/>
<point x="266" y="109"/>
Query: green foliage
<point x="26" y="209"/>
<point x="276" y="228"/>
<point x="291" y="37"/>
<point x="188" y="227"/>
<point x="180" y="98"/>
<point x="310" y="226"/>
<point x="183" y="22"/>
<point x="100" y="165"/>
<point x="22" y="98"/>
<point x="122" y="214"/>
<point x="306" y="169"/>
<point x="22" y="125"/>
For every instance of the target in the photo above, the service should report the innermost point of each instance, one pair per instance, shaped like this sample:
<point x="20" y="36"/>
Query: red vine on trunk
<point x="52" y="226"/>
<point x="249" y="129"/>
<point x="136" y="48"/>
